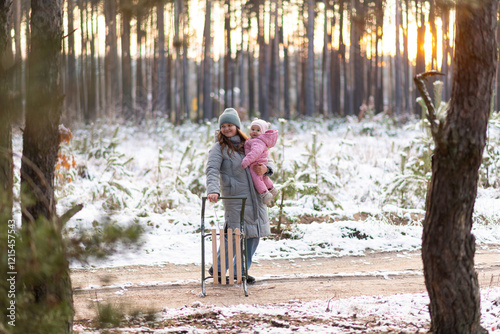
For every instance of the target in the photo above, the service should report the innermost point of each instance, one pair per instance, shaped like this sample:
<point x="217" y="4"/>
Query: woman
<point x="226" y="177"/>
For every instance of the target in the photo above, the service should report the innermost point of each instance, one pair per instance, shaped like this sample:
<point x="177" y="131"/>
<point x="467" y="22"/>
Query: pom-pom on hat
<point x="230" y="115"/>
<point x="263" y="125"/>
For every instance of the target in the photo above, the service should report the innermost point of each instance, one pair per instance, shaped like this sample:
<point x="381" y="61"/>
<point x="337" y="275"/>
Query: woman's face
<point x="228" y="129"/>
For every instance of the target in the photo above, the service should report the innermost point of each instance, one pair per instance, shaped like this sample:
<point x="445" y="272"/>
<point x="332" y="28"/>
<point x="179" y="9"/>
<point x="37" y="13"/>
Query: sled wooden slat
<point x="214" y="256"/>
<point x="230" y="265"/>
<point x="222" y="259"/>
<point x="237" y="236"/>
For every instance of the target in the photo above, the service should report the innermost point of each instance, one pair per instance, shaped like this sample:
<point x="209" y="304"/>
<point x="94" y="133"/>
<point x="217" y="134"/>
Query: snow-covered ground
<point x="154" y="189"/>
<point x="354" y="169"/>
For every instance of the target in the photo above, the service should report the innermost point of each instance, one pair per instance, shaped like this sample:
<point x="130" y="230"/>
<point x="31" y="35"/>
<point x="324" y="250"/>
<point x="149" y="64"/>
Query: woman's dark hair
<point x="224" y="142"/>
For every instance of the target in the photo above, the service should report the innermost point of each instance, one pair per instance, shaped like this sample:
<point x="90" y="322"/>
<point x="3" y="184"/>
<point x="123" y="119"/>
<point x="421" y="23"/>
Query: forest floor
<point x="154" y="288"/>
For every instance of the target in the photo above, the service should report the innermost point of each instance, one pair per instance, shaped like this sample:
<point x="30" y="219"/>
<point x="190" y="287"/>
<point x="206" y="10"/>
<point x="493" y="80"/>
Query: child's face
<point x="255" y="131"/>
<point x="228" y="129"/>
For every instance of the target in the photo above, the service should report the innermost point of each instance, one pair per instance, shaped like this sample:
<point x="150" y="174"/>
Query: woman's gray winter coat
<point x="226" y="177"/>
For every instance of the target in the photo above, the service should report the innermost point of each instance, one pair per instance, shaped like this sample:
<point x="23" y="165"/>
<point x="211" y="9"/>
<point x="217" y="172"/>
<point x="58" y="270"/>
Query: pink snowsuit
<point x="256" y="151"/>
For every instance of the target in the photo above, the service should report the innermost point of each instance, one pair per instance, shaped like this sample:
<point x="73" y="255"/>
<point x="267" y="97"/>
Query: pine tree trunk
<point x="111" y="59"/>
<point x="448" y="246"/>
<point x="126" y="62"/>
<point x="497" y="106"/>
<point x="325" y="63"/>
<point x="6" y="163"/>
<point x="335" y="71"/>
<point x="227" y="55"/>
<point x="82" y="82"/>
<point x="397" y="64"/>
<point x="185" y="73"/>
<point x="309" y="89"/>
<point x="276" y="64"/>
<point x="286" y="82"/>
<point x="342" y="51"/>
<point x="262" y="102"/>
<point x="420" y="62"/>
<point x="178" y="103"/>
<point x="92" y="82"/>
<point x="207" y="63"/>
<point x="51" y="291"/>
<point x="379" y="90"/>
<point x="406" y="62"/>
<point x="71" y="86"/>
<point x="161" y="101"/>
<point x="446" y="53"/>
<point x="140" y="94"/>
<point x="356" y="60"/>
<point x="432" y="25"/>
<point x="251" y="84"/>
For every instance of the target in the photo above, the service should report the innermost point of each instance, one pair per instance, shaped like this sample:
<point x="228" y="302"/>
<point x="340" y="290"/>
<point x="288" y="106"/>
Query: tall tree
<point x="178" y="99"/>
<point x="379" y="78"/>
<point x="71" y="82"/>
<point x="111" y="58"/>
<point x="185" y="64"/>
<point x="276" y="64"/>
<point x="140" y="84"/>
<point x="325" y="63"/>
<point x="161" y="96"/>
<point x="228" y="89"/>
<point x="309" y="82"/>
<point x="448" y="245"/>
<point x="406" y="62"/>
<point x="6" y="164"/>
<point x="126" y="8"/>
<point x="51" y="293"/>
<point x="92" y="81"/>
<point x="207" y="63"/>
<point x="447" y="53"/>
<point x="342" y="52"/>
<point x="358" y="19"/>
<point x="335" y="59"/>
<point x="420" y="61"/>
<point x="397" y="63"/>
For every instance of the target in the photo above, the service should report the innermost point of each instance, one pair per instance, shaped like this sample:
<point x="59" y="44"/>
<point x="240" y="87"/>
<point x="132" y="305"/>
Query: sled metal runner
<point x="226" y="236"/>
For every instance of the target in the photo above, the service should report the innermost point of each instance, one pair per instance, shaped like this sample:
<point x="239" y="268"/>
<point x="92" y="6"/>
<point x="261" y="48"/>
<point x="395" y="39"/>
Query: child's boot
<point x="266" y="197"/>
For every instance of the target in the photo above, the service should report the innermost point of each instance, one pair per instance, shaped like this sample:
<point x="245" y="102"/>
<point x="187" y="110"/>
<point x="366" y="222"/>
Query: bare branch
<point x="431" y="111"/>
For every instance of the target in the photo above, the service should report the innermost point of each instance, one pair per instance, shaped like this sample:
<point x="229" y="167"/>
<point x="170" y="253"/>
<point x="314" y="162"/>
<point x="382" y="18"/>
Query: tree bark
<point x="140" y="85"/>
<point x="126" y="59"/>
<point x="309" y="82"/>
<point x="51" y="290"/>
<point x="161" y="101"/>
<point x="6" y="163"/>
<point x="406" y="64"/>
<point x="92" y="82"/>
<point x="227" y="56"/>
<point x="420" y="62"/>
<point x="111" y="59"/>
<point x="379" y="77"/>
<point x="207" y="63"/>
<point x="448" y="246"/>
<point x="397" y="64"/>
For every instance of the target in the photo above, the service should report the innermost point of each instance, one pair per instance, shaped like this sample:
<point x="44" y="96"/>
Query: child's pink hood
<point x="270" y="138"/>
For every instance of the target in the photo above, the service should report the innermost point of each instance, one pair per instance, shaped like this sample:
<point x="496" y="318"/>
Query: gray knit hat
<point x="230" y="115"/>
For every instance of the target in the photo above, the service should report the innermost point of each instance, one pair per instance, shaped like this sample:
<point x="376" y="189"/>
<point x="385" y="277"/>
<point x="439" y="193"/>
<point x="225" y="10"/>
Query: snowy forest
<point x="387" y="164"/>
<point x="128" y="59"/>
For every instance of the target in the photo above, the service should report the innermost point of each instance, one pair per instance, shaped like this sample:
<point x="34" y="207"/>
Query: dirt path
<point x="153" y="288"/>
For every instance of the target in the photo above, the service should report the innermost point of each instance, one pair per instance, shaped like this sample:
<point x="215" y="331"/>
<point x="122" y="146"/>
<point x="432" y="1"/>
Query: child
<point x="256" y="151"/>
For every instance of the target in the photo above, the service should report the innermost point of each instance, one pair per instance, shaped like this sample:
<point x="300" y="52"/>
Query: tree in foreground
<point x="448" y="245"/>
<point x="50" y="294"/>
